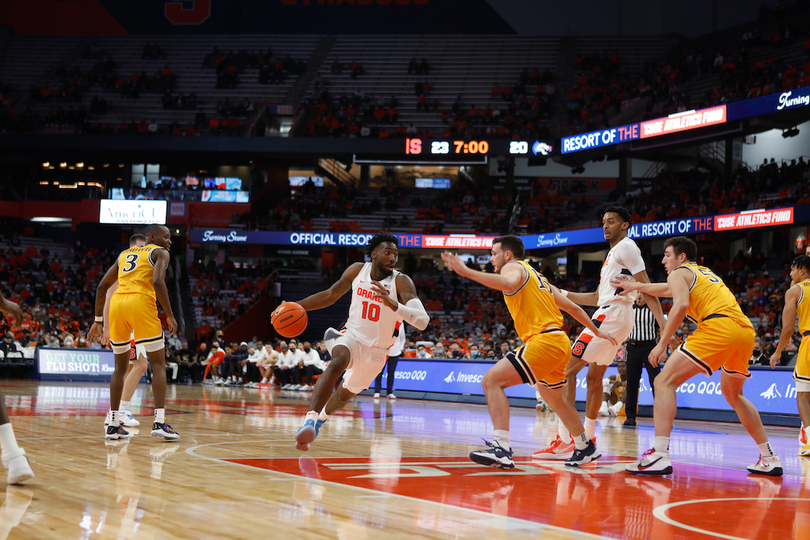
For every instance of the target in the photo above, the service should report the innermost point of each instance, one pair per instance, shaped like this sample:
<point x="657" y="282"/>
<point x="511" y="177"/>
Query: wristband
<point x="99" y="319"/>
<point x="564" y="292"/>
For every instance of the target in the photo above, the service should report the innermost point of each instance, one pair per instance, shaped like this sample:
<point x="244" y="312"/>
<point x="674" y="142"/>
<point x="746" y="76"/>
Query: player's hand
<point x="606" y="335"/>
<point x="105" y="338"/>
<point x="658" y="354"/>
<point x="674" y="343"/>
<point x="382" y="294"/>
<point x="95" y="332"/>
<point x="172" y="323"/>
<point x="775" y="357"/>
<point x="452" y="261"/>
<point x="14" y="310"/>
<point x="625" y="284"/>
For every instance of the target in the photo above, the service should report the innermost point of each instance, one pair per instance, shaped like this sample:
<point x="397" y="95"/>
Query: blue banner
<point x="783" y="101"/>
<point x="605" y="137"/>
<point x="771" y="391"/>
<point x="564" y="238"/>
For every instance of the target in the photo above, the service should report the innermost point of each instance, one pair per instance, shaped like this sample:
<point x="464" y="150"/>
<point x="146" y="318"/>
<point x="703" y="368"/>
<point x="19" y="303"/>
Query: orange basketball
<point x="289" y="319"/>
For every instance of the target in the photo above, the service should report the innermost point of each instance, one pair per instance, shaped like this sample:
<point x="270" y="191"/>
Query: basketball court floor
<point x="380" y="469"/>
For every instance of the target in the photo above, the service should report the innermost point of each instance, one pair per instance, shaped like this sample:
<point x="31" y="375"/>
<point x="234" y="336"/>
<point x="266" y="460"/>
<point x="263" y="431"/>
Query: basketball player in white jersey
<point x="381" y="299"/>
<point x="614" y="315"/>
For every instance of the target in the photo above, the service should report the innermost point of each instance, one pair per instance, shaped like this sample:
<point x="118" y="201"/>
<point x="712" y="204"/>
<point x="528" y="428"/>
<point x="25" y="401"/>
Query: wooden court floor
<point x="379" y="469"/>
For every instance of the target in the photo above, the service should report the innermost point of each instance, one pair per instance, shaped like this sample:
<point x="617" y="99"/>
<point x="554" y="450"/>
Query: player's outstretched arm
<point x="332" y="294"/>
<point x="654" y="303"/>
<point x="411" y="308"/>
<point x="660" y="290"/>
<point x="678" y="283"/>
<point x="161" y="291"/>
<point x="508" y="281"/>
<point x="97" y="330"/>
<point x="579" y="314"/>
<point x="788" y="322"/>
<point x="584" y="299"/>
<point x="12" y="309"/>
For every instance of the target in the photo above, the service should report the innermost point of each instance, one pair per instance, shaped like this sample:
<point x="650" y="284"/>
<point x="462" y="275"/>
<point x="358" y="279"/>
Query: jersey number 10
<point x="371" y="311"/>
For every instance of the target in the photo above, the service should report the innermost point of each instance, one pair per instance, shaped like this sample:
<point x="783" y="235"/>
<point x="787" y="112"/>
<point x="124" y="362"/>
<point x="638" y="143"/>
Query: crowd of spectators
<point x="272" y="69"/>
<point x="752" y="67"/>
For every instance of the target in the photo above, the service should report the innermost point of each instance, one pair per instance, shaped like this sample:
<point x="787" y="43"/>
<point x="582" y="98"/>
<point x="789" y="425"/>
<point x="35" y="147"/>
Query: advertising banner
<point x="132" y="212"/>
<point x="771" y="391"/>
<point x="74" y="364"/>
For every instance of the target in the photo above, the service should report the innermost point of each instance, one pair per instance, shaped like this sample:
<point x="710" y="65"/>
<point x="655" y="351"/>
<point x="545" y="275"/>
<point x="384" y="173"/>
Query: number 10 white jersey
<point x="371" y="322"/>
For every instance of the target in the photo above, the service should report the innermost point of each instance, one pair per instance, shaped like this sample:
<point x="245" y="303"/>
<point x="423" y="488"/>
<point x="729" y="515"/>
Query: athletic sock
<point x="502" y="438"/>
<point x="123" y="406"/>
<point x="323" y="416"/>
<point x="765" y="449"/>
<point x="563" y="432"/>
<point x="590" y="427"/>
<point x="661" y="445"/>
<point x="264" y="380"/>
<point x="311" y="415"/>
<point x="114" y="419"/>
<point x="581" y="441"/>
<point x="8" y="443"/>
<point x="159" y="416"/>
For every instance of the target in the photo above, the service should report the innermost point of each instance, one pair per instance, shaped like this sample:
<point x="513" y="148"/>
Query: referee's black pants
<point x="637" y="353"/>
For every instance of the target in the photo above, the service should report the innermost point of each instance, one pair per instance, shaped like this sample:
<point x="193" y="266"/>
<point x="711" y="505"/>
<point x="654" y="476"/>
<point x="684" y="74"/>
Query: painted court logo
<point x="771" y="392"/>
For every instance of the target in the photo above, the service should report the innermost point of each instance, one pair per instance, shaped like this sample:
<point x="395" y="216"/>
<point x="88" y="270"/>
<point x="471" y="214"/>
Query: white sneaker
<point x="613" y="410"/>
<point x="770" y="466"/>
<point x="376" y="394"/>
<point x="603" y="410"/>
<point x="127" y="420"/>
<point x="306" y="388"/>
<point x="19" y="470"/>
<point x="391" y="396"/>
<point x="652" y="462"/>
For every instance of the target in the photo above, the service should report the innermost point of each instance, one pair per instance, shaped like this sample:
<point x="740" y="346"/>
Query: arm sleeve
<point x="414" y="313"/>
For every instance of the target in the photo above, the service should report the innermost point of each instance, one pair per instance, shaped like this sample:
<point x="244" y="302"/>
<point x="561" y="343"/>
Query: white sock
<point x="661" y="444"/>
<point x="502" y="438"/>
<point x="765" y="449"/>
<point x="581" y="441"/>
<point x="590" y="427"/>
<point x="123" y="406"/>
<point x="311" y="415"/>
<point x="563" y="432"/>
<point x="8" y="443"/>
<point x="159" y="415"/>
<point x="323" y="416"/>
<point x="114" y="420"/>
<point x="264" y="380"/>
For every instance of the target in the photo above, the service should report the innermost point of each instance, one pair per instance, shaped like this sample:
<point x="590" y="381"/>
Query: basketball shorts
<point x="720" y="343"/>
<point x="801" y="373"/>
<point x="618" y="320"/>
<point x="136" y="352"/>
<point x="134" y="314"/>
<point x="542" y="361"/>
<point x="365" y="363"/>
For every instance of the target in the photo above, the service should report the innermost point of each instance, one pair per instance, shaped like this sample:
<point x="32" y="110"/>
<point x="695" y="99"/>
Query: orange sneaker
<point x="802" y="436"/>
<point x="557" y="450"/>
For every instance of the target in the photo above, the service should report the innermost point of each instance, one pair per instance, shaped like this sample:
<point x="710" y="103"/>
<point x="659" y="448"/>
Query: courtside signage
<point x="74" y="364"/>
<point x="132" y="212"/>
<point x="753" y="219"/>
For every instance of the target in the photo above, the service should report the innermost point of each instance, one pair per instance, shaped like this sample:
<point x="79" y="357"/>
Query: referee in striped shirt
<point x="642" y="340"/>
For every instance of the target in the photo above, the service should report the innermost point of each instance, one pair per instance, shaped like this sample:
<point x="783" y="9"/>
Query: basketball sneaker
<point x="113" y="433"/>
<point x="541" y="406"/>
<point x="586" y="455"/>
<point x="391" y="396"/>
<point x="802" y="436"/>
<point x="127" y="420"/>
<point x="805" y="451"/>
<point x="651" y="462"/>
<point x="376" y="395"/>
<point x="18" y="467"/>
<point x="494" y="456"/>
<point x="307" y="433"/>
<point x="557" y="450"/>
<point x="770" y="466"/>
<point x="164" y="431"/>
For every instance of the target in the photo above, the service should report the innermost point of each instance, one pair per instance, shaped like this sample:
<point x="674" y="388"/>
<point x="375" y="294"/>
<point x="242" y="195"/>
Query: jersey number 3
<point x="130" y="263"/>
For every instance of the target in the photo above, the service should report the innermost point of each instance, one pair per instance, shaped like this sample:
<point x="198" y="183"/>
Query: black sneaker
<point x="495" y="456"/>
<point x="630" y="422"/>
<point x="164" y="431"/>
<point x="113" y="433"/>
<point x="581" y="457"/>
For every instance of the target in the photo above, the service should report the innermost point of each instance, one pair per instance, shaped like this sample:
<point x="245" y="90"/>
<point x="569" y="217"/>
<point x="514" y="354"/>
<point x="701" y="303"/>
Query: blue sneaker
<point x="494" y="456"/>
<point x="586" y="455"/>
<point x="307" y="433"/>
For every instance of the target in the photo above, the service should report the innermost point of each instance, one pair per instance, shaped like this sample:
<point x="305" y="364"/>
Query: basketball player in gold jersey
<point x="797" y="302"/>
<point x="724" y="339"/>
<point x="535" y="307"/>
<point x="141" y="275"/>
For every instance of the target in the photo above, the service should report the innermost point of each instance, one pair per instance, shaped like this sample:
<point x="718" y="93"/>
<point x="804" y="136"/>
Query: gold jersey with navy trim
<point x="709" y="297"/>
<point x="533" y="307"/>
<point x="135" y="269"/>
<point x="803" y="307"/>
